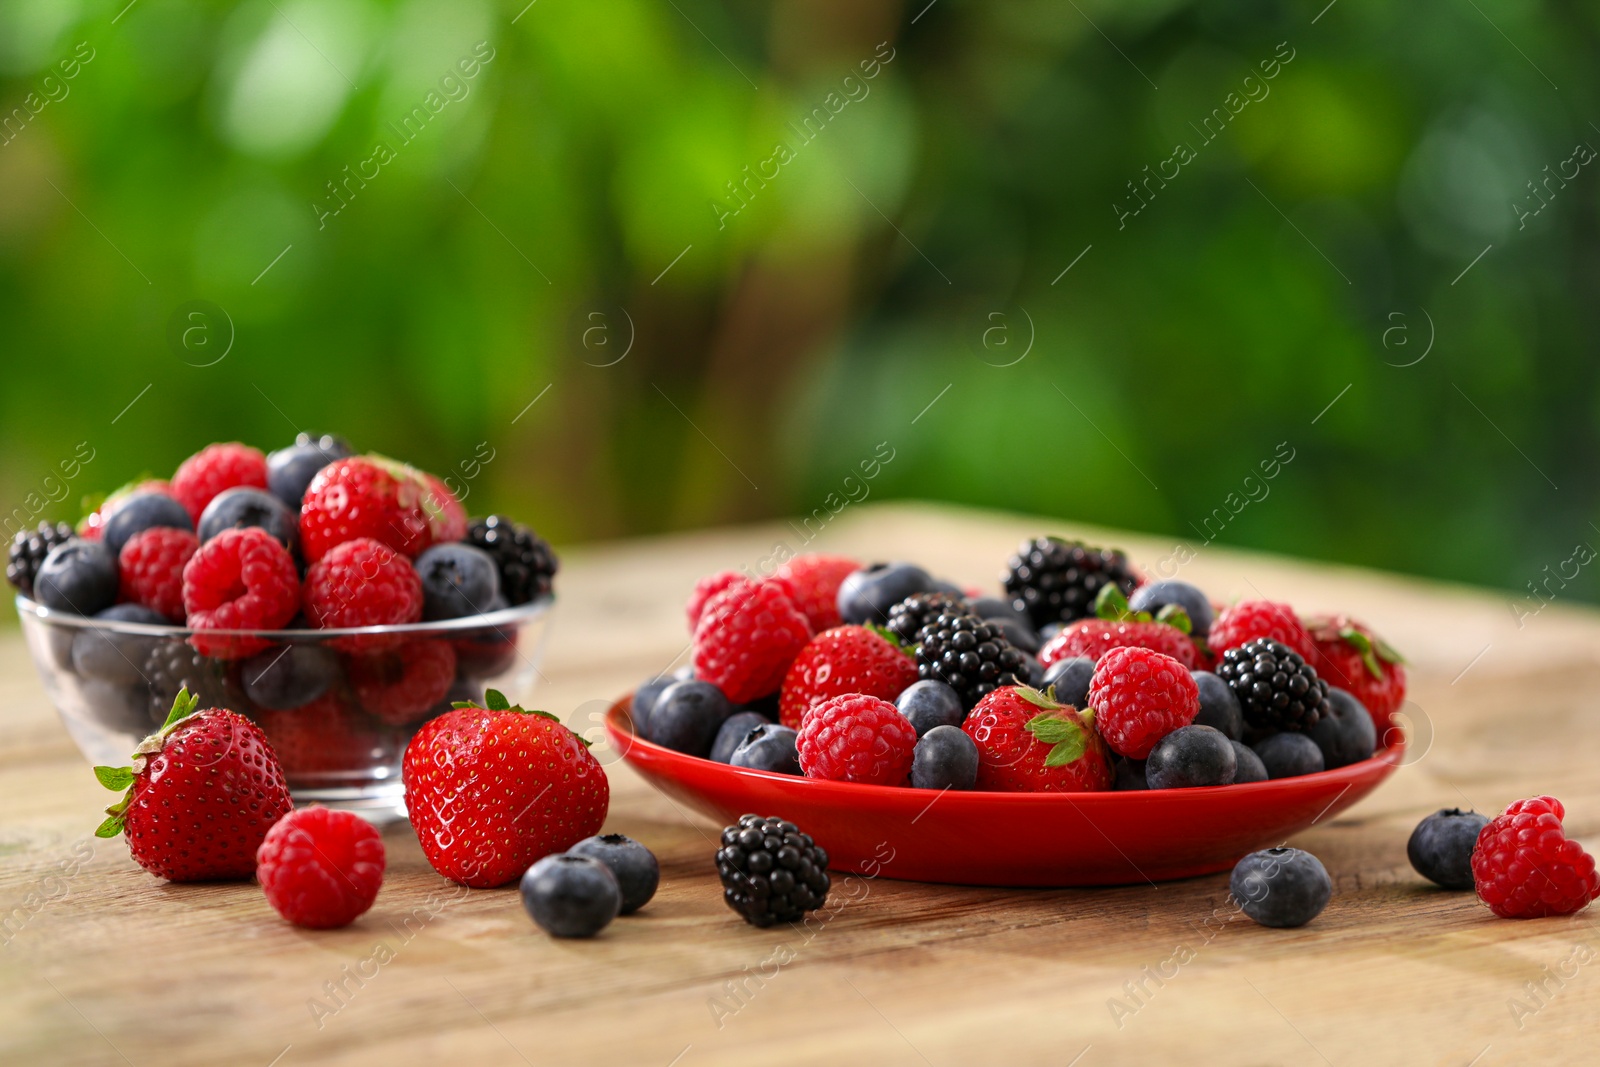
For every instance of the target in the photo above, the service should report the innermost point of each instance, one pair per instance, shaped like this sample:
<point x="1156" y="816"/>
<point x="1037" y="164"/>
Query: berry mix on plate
<point x="1079" y="676"/>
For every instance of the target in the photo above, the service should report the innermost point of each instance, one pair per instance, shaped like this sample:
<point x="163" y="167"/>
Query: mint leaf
<point x="117" y="778"/>
<point x="495" y="700"/>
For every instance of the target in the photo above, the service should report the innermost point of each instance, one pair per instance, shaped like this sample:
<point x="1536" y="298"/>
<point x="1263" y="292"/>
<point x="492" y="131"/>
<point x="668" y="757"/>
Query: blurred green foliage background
<point x="726" y="249"/>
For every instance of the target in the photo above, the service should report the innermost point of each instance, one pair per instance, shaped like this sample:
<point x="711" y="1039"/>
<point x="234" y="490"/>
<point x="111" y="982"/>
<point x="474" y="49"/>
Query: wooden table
<point x="103" y="964"/>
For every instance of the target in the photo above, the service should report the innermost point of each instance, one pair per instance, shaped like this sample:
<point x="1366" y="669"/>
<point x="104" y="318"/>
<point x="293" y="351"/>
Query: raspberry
<point x="213" y="469"/>
<point x="151" y="566"/>
<point x="856" y="738"/>
<point x="845" y="659"/>
<point x="813" y="582"/>
<point x="239" y="580"/>
<point x="1250" y="619"/>
<point x="321" y="868"/>
<point x="1525" y="867"/>
<point x="747" y="636"/>
<point x="404" y="685"/>
<point x="705" y="589"/>
<point x="1095" y="637"/>
<point x="1028" y="743"/>
<point x="327" y="742"/>
<point x="377" y="498"/>
<point x="1139" y="697"/>
<point x="363" y="583"/>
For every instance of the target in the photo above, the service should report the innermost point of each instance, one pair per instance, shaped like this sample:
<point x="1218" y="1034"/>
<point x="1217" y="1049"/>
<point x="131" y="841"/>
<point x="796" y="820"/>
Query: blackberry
<point x="1054" y="580"/>
<point x="771" y="872"/>
<point x="1276" y="687"/>
<point x="524" y="559"/>
<point x="175" y="665"/>
<point x="28" y="550"/>
<point x="969" y="654"/>
<point x="909" y="616"/>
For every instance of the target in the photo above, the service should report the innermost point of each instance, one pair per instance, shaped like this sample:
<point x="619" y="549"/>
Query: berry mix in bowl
<point x="337" y="601"/>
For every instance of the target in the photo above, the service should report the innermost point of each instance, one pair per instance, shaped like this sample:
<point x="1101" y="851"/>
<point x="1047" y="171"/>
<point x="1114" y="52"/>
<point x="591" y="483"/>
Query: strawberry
<point x="813" y="582"/>
<point x="325" y="741"/>
<point x="200" y="797"/>
<point x="1117" y="626"/>
<point x="1353" y="658"/>
<point x="845" y="659"/>
<point x="492" y="789"/>
<point x="380" y="498"/>
<point x="1028" y="743"/>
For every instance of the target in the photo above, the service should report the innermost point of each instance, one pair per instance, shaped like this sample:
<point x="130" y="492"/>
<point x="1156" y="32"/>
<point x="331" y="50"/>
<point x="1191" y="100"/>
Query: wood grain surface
<point x="103" y="964"/>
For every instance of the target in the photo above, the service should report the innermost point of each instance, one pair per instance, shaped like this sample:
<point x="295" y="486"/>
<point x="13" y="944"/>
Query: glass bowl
<point x="338" y="706"/>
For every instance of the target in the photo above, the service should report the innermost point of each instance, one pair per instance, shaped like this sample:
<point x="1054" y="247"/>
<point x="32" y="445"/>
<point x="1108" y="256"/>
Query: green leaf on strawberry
<point x="184" y="705"/>
<point x="891" y="637"/>
<point x="1111" y="605"/>
<point x="1064" y="733"/>
<point x="114" y="777"/>
<point x="494" y="700"/>
<point x="1046" y="700"/>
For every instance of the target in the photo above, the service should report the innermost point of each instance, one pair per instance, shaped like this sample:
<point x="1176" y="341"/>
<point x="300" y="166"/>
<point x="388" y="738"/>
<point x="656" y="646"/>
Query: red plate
<point x="1012" y="839"/>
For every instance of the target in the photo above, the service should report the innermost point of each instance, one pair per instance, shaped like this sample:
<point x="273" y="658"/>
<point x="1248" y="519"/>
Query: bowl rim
<point x="494" y="620"/>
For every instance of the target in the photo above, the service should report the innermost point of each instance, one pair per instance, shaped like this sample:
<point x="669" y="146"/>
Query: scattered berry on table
<point x="1055" y="580"/>
<point x="491" y="790"/>
<point x="102" y="653"/>
<point x="290" y="470"/>
<point x="687" y="716"/>
<point x="362" y="583"/>
<point x="930" y="703"/>
<point x="1524" y="866"/>
<point x="77" y="577"/>
<point x="909" y="616"/>
<point x="526" y="562"/>
<point x="206" y="790"/>
<point x="1352" y="657"/>
<point x="370" y="497"/>
<point x="813" y="582"/>
<point x="1440" y="848"/>
<point x="571" y="895"/>
<point x="856" y="738"/>
<point x="746" y="638"/>
<point x="845" y="659"/>
<point x="403" y="684"/>
<point x="173" y="666"/>
<point x="969" y="655"/>
<point x="1070" y="679"/>
<point x="1276" y="687"/>
<point x="1289" y="755"/>
<point x="1028" y="743"/>
<point x="1157" y="595"/>
<point x="215" y="468"/>
<point x="945" y="758"/>
<point x="733" y="732"/>
<point x="28" y="550"/>
<point x="1139" y="697"/>
<point x="768" y="747"/>
<point x="867" y="595"/>
<point x="1252" y="620"/>
<point x="635" y="867"/>
<point x="320" y="868"/>
<point x="239" y="580"/>
<point x="1191" y="756"/>
<point x="771" y="872"/>
<point x="1248" y="765"/>
<point x="244" y="507"/>
<point x="139" y="512"/>
<point x="1219" y="705"/>
<point x="1344" y="732"/>
<point x="288" y="676"/>
<point x="457" y="580"/>
<point x="151" y="565"/>
<point x="1282" y="887"/>
<point x="1128" y="775"/>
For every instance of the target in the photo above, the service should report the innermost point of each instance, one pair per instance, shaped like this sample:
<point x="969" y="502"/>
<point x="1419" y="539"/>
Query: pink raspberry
<point x="404" y="685"/>
<point x="1139" y="697"/>
<point x="705" y="589"/>
<point x="213" y="469"/>
<point x="1250" y="619"/>
<point x="856" y="738"/>
<point x="1525" y="867"/>
<point x="321" y="868"/>
<point x="151" y="568"/>
<point x="747" y="636"/>
<point x="813" y="582"/>
<point x="239" y="580"/>
<point x="363" y="583"/>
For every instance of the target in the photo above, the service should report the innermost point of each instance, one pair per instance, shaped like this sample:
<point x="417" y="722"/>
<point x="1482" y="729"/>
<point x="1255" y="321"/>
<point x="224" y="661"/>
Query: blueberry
<point x="571" y="896"/>
<point x="945" y="758"/>
<point x="1191" y="756"/>
<point x="1345" y="732"/>
<point x="1219" y="705"/>
<point x="687" y="716"/>
<point x="867" y="595"/>
<point x="79" y="577"/>
<point x="1071" y="678"/>
<point x="1281" y="886"/>
<point x="1129" y="775"/>
<point x="1020" y="634"/>
<point x="634" y="867"/>
<point x="767" y="706"/>
<point x="122" y="708"/>
<point x="1049" y="631"/>
<point x="290" y="470"/>
<point x="1032" y="672"/>
<point x="990" y="607"/>
<point x="457" y="580"/>
<point x="139" y="512"/>
<point x="1157" y="595"/>
<point x="114" y="657"/>
<point x="945" y="585"/>
<point x="646" y="695"/>
<point x="1289" y="755"/>
<point x="930" y="703"/>
<point x="243" y="506"/>
<point x="1248" y="766"/>
<point x="768" y="747"/>
<point x="732" y="732"/>
<point x="1441" y="846"/>
<point x="289" y="677"/>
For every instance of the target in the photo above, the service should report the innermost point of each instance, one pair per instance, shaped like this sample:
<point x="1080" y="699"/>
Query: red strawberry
<point x="813" y="582"/>
<point x="1353" y="658"/>
<point x="1118" y="626"/>
<point x="450" y="522"/>
<point x="747" y="636"/>
<point x="845" y="659"/>
<point x="326" y="742"/>
<point x="1028" y="743"/>
<point x="491" y="790"/>
<point x="1250" y="619"/>
<point x="704" y="590"/>
<point x="200" y="797"/>
<point x="376" y="497"/>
